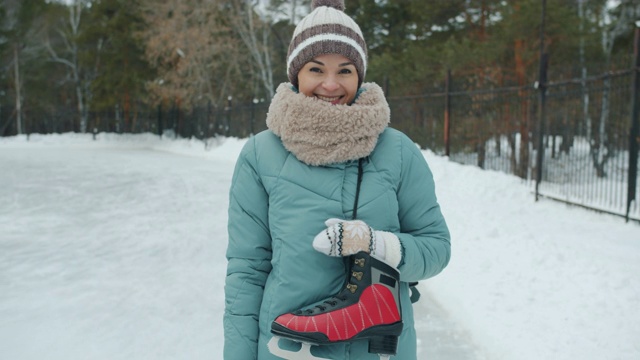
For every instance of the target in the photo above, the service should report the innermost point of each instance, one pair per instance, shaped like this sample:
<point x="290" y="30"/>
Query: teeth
<point x="328" y="99"/>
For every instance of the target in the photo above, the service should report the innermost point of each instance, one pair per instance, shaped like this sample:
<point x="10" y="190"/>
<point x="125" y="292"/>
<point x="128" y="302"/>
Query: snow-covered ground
<point x="114" y="249"/>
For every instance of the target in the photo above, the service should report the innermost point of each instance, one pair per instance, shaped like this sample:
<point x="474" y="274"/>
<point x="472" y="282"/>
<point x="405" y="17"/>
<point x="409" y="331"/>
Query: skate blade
<point x="303" y="354"/>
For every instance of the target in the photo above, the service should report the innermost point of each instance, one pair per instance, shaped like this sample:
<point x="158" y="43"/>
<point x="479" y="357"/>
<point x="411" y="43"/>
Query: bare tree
<point x="68" y="33"/>
<point x="19" y="37"/>
<point x="615" y="23"/>
<point x="16" y="31"/>
<point x="254" y="27"/>
<point x="191" y="48"/>
<point x="292" y="10"/>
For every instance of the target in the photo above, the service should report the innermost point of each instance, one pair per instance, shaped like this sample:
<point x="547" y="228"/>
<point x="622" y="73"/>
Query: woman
<point x="326" y="185"/>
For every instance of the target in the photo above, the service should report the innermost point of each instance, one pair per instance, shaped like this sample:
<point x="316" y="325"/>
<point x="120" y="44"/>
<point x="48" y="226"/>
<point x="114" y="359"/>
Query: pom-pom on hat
<point x="326" y="30"/>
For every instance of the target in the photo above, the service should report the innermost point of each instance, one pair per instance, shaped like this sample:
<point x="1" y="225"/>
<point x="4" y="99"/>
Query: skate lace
<point x="333" y="302"/>
<point x="343" y="295"/>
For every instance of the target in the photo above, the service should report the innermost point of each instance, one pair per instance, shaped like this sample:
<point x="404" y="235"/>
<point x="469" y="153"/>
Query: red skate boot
<point x="367" y="308"/>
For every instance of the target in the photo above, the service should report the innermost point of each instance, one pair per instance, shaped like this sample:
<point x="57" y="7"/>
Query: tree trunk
<point x="16" y="68"/>
<point x="79" y="96"/>
<point x="524" y="111"/>
<point x="584" y="89"/>
<point x="126" y="110"/>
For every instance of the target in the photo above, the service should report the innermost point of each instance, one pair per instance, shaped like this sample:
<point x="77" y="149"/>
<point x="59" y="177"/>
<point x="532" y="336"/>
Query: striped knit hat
<point x="326" y="30"/>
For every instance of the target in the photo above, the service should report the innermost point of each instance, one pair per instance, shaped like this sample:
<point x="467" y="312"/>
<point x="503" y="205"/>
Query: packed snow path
<point x="118" y="253"/>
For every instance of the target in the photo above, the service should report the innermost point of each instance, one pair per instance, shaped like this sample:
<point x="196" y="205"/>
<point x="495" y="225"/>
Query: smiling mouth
<point x="332" y="99"/>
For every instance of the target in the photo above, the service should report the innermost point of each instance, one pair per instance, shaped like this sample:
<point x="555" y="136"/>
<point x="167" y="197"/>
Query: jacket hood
<point x="320" y="133"/>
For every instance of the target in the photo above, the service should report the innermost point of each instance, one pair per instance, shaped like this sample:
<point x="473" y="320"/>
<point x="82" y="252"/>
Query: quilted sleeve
<point x="424" y="234"/>
<point x="249" y="258"/>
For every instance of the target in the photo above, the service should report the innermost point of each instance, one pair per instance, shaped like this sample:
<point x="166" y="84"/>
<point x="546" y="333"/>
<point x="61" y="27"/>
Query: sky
<point x="114" y="249"/>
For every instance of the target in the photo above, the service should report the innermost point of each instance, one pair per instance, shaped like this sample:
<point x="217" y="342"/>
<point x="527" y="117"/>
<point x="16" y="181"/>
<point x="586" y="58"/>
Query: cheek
<point x="305" y="85"/>
<point x="352" y="89"/>
<point x="306" y="90"/>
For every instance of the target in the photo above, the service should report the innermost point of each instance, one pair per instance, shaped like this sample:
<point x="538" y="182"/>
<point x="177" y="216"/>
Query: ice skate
<point x="368" y="308"/>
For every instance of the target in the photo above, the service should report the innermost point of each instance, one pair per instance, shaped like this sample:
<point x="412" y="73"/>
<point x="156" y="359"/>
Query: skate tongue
<point x="303" y="354"/>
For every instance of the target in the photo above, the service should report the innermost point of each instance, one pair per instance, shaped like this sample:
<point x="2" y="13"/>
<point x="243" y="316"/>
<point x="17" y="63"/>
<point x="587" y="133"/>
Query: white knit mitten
<point x="344" y="238"/>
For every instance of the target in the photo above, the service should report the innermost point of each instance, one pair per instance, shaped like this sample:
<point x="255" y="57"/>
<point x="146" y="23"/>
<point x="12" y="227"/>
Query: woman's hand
<point x="348" y="237"/>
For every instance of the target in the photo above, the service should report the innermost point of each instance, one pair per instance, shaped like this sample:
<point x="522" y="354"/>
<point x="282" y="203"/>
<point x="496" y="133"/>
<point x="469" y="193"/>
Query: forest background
<point x="84" y="57"/>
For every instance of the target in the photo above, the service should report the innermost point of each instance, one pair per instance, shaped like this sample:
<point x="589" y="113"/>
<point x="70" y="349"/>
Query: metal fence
<point x="574" y="141"/>
<point x="587" y="137"/>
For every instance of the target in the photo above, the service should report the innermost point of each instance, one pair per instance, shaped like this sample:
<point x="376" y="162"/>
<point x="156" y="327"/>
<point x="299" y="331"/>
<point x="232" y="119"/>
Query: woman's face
<point x="331" y="77"/>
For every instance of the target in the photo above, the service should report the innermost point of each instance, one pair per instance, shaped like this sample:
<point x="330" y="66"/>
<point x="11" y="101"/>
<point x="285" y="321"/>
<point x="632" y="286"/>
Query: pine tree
<point x="116" y="57"/>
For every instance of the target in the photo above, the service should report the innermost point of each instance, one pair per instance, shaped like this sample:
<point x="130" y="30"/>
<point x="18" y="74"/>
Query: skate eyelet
<point x="352" y="288"/>
<point x="359" y="262"/>
<point x="357" y="275"/>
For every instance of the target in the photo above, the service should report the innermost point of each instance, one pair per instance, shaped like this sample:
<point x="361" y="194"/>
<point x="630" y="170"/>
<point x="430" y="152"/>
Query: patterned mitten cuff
<point x="344" y="238"/>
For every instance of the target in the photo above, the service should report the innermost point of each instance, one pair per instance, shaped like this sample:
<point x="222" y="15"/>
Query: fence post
<point x="447" y="114"/>
<point x="253" y="115"/>
<point x="634" y="134"/>
<point x="160" y="129"/>
<point x="542" y="87"/>
<point x="209" y="123"/>
<point x="227" y="117"/>
<point x="117" y="115"/>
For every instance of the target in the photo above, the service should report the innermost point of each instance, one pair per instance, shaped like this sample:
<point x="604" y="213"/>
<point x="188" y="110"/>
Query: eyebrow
<point x="320" y="63"/>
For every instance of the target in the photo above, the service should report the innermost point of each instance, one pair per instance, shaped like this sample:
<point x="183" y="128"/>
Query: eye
<point x="345" y="71"/>
<point x="315" y="69"/>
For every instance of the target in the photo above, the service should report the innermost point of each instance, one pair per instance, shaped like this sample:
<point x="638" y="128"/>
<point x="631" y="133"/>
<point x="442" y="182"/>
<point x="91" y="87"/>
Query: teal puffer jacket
<point x="279" y="204"/>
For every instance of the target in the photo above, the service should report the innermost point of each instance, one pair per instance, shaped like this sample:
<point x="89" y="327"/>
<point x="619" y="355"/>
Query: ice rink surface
<point x="116" y="251"/>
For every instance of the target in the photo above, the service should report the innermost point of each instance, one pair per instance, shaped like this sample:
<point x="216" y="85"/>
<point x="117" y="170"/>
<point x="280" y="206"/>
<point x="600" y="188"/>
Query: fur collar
<point x="319" y="133"/>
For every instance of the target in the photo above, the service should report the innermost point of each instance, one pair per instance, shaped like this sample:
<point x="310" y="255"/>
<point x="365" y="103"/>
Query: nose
<point x="330" y="83"/>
